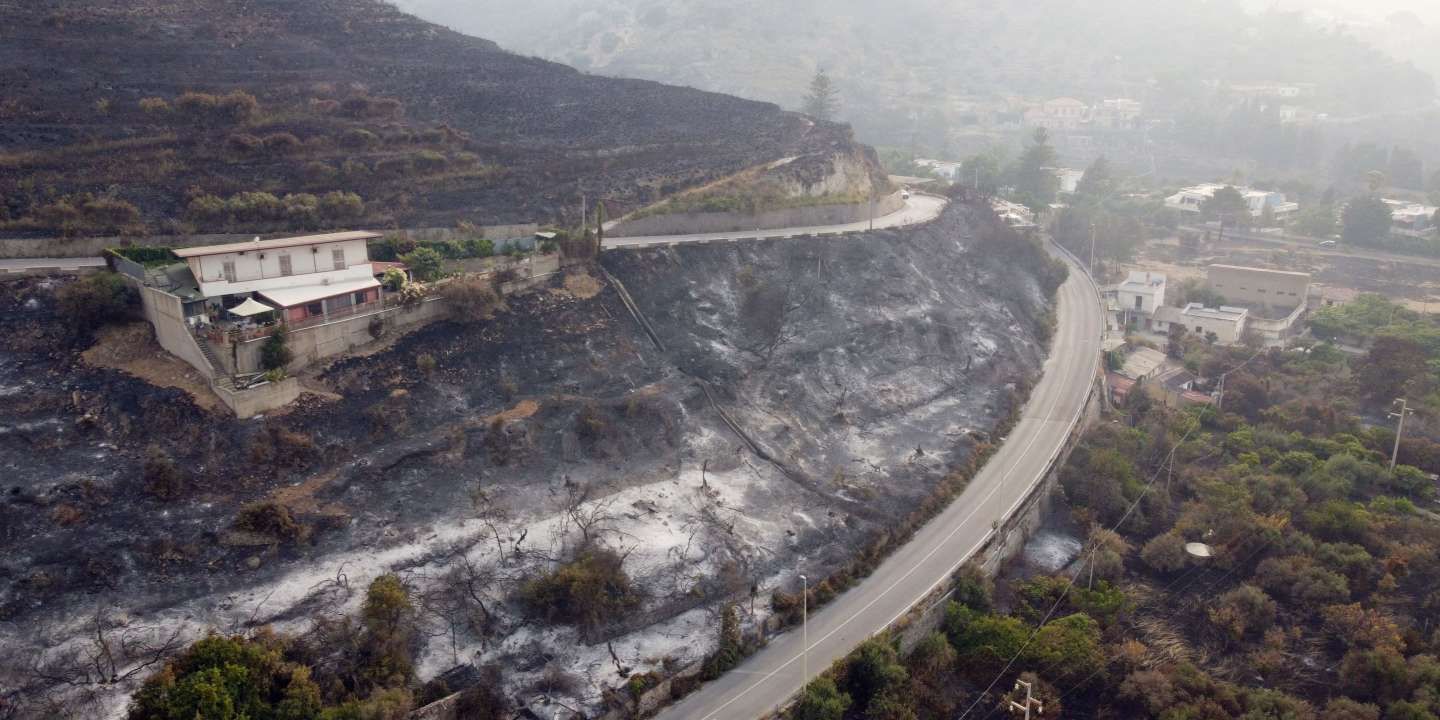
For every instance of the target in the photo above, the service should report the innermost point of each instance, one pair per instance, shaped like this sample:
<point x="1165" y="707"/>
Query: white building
<point x="1191" y="200"/>
<point x="1138" y="298"/>
<point x="1228" y="323"/>
<point x="1069" y="179"/>
<point x="1059" y="114"/>
<point x="1411" y="218"/>
<point x="948" y="170"/>
<point x="301" y="276"/>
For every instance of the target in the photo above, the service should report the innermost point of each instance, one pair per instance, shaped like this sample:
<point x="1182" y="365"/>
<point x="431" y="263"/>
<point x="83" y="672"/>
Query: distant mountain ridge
<point x="897" y="62"/>
<point x="426" y="125"/>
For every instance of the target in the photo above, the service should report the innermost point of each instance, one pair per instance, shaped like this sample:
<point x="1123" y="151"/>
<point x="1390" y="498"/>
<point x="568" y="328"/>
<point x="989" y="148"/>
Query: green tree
<point x="1366" y="221"/>
<point x="1098" y="183"/>
<point x="982" y="172"/>
<point x="821" y="700"/>
<point x="229" y="678"/>
<point x="823" y="101"/>
<point x="873" y="671"/>
<point x="1034" y="179"/>
<point x="96" y="300"/>
<point x="1390" y="368"/>
<point x="425" y="264"/>
<point x="1316" y="222"/>
<point x="275" y="353"/>
<point x="1228" y="206"/>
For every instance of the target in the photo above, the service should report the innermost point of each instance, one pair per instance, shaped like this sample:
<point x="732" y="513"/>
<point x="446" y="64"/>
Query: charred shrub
<point x="590" y="426"/>
<point x="163" y="479"/>
<point x="390" y="415"/>
<point x="271" y="519"/>
<point x="281" y="448"/>
<point x="472" y="299"/>
<point x="588" y="591"/>
<point x="485" y="700"/>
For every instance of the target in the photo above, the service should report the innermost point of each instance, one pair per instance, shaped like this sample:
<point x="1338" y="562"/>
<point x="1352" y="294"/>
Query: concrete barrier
<point x="810" y="216"/>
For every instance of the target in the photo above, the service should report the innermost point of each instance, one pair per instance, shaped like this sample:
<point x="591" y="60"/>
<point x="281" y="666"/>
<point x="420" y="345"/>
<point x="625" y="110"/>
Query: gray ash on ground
<point x="860" y="367"/>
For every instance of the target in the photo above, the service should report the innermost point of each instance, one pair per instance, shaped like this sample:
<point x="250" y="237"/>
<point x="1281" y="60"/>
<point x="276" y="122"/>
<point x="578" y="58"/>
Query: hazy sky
<point x="1428" y="10"/>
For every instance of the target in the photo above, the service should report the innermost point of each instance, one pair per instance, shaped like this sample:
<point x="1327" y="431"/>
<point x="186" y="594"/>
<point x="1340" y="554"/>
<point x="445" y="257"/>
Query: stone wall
<point x="813" y="216"/>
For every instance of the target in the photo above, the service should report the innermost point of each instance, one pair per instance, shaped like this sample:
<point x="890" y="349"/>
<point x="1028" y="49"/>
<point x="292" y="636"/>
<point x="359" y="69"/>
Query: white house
<point x="1138" y="298"/>
<point x="1228" y="323"/>
<point x="948" y="170"/>
<point x="300" y="276"/>
<point x="1191" y="199"/>
<point x="1411" y="218"/>
<point x="1069" y="179"/>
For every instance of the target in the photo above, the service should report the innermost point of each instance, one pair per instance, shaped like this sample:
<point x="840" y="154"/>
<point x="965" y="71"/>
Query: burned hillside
<point x="810" y="393"/>
<point x="140" y="117"/>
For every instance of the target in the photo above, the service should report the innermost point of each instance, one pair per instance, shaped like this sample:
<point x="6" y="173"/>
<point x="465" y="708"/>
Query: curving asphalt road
<point x="766" y="681"/>
<point x="918" y="209"/>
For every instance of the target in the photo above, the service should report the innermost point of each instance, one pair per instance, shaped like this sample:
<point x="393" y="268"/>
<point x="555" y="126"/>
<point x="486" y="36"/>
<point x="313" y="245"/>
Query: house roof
<point x="1224" y="312"/>
<point x="258" y="244"/>
<point x="299" y="295"/>
<point x="1261" y="270"/>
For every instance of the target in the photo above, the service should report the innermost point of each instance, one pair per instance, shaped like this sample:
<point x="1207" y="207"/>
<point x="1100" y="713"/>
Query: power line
<point x="1170" y="458"/>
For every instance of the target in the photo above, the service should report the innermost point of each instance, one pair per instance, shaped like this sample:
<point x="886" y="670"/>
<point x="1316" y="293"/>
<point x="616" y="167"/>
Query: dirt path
<point x="132" y="349"/>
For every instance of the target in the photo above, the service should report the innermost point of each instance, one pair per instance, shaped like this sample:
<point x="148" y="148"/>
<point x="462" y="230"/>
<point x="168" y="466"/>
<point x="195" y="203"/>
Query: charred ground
<point x="427" y="125"/>
<point x="860" y="371"/>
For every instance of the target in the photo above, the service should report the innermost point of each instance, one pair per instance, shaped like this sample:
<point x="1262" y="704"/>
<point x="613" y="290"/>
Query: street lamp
<point x="804" y="629"/>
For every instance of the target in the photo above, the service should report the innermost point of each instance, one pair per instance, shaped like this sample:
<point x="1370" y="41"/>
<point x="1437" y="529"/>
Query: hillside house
<point x="1412" y="219"/>
<point x="1226" y="322"/>
<point x="313" y="276"/>
<point x="1192" y="200"/>
<point x="1138" y="298"/>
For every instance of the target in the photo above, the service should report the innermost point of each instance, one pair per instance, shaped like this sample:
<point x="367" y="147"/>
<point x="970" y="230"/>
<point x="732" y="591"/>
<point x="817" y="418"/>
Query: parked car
<point x="1327" y="243"/>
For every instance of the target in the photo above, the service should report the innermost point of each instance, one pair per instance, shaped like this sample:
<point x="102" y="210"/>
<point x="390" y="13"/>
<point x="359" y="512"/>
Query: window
<point x="337" y="258"/>
<point x="315" y="308"/>
<point x="286" y="268"/>
<point x="360" y="297"/>
<point x="1139" y="303"/>
<point x="1199" y="329"/>
<point x="227" y="268"/>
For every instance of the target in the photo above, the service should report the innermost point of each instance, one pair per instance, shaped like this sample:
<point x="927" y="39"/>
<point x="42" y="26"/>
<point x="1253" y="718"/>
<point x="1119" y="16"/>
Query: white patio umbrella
<point x="250" y="308"/>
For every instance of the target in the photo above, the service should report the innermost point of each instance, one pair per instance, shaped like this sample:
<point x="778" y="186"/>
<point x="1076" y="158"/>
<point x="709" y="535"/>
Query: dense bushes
<point x="95" y="300"/>
<point x="341" y="671"/>
<point x="234" y="108"/>
<point x="263" y="209"/>
<point x="472" y="299"/>
<point x="588" y="591"/>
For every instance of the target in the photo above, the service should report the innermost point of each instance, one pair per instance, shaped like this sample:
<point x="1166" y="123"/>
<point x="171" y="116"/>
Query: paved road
<point x="19" y="265"/>
<point x="768" y="679"/>
<point x="918" y="209"/>
<point x="1312" y="246"/>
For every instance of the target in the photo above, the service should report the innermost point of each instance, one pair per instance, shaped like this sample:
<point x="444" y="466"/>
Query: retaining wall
<point x="252" y="401"/>
<point x="95" y="246"/>
<point x="166" y="315"/>
<point x="311" y="344"/>
<point x="814" y="216"/>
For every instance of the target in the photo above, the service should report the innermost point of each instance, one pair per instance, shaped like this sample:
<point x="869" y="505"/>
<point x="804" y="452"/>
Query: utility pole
<point x="1030" y="701"/>
<point x="1399" y="428"/>
<point x="804" y="630"/>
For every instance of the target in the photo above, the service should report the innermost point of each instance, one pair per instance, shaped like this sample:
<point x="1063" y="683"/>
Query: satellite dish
<point x="1199" y="550"/>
